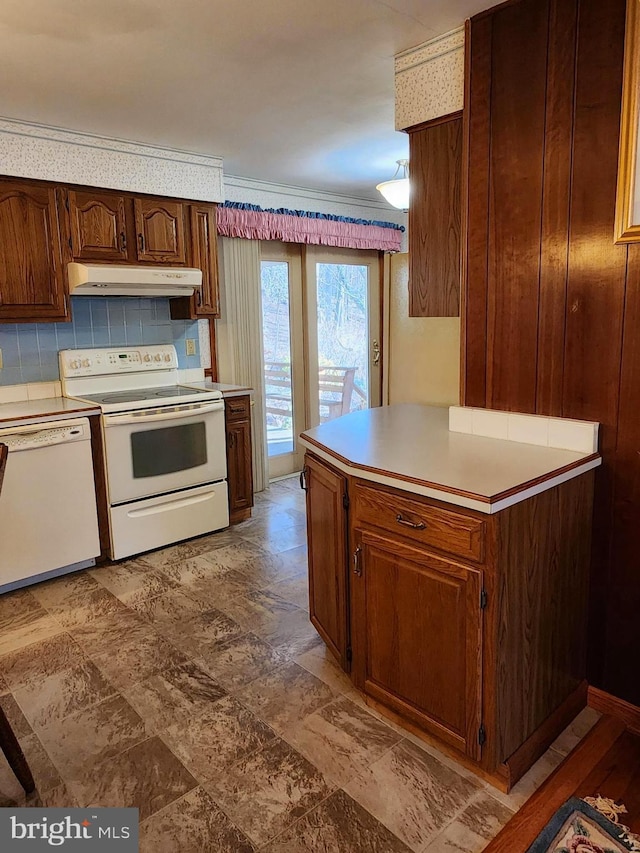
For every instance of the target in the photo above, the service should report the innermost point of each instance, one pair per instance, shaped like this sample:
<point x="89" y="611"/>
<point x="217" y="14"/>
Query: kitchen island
<point x="449" y="575"/>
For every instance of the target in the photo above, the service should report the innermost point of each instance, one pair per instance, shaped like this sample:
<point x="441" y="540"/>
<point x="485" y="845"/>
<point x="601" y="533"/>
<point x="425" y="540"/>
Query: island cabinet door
<point x="327" y="540"/>
<point x="417" y="637"/>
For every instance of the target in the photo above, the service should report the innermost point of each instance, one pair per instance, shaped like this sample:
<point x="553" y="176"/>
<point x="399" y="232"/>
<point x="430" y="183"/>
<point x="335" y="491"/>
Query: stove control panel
<point x="109" y="361"/>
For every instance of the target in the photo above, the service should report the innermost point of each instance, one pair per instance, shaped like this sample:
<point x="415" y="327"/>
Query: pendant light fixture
<point x="396" y="191"/>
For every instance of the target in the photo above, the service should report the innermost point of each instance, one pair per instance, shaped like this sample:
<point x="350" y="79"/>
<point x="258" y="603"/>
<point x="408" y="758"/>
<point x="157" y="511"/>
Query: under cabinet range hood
<point x="121" y="280"/>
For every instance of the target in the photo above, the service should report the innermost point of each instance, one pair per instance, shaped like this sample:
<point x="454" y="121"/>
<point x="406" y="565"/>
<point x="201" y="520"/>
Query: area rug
<point x="578" y="827"/>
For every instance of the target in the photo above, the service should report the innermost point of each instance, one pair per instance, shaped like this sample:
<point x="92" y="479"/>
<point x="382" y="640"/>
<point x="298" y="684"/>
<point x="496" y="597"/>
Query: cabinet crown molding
<point x="47" y="153"/>
<point x="429" y="80"/>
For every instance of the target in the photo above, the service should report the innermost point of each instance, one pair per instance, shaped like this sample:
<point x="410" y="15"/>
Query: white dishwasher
<point x="48" y="516"/>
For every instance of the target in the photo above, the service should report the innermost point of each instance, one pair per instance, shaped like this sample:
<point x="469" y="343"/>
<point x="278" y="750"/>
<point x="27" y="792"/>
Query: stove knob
<point x="157" y="357"/>
<point x="167" y="357"/>
<point x="147" y="357"/>
<point x="75" y="364"/>
<point x="86" y="362"/>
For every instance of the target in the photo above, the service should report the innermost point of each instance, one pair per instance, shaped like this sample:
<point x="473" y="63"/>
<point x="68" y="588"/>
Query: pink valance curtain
<point x="292" y="227"/>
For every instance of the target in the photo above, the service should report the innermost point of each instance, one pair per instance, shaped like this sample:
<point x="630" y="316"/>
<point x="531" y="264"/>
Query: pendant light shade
<point x="396" y="191"/>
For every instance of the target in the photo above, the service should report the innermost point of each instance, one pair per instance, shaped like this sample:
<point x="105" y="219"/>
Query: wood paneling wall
<point x="551" y="306"/>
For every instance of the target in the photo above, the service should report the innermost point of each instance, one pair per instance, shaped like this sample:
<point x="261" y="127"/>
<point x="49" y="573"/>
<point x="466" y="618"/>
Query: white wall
<point x="422" y="357"/>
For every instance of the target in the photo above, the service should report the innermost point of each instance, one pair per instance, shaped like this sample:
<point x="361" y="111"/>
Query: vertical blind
<point x="240" y="338"/>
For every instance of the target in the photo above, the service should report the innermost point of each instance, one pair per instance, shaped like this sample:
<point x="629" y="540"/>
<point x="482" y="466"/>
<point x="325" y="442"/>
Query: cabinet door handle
<point x="414" y="525"/>
<point x="357" y="563"/>
<point x="141" y="242"/>
<point x="123" y="242"/>
<point x="199" y="297"/>
<point x="303" y="479"/>
<point x="232" y="439"/>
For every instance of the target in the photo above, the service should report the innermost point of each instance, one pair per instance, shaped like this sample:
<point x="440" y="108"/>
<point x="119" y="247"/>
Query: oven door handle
<point x="167" y="506"/>
<point x="119" y="420"/>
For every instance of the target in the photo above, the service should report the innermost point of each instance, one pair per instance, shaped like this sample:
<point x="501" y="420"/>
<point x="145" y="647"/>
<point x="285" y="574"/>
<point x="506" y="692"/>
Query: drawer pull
<point x="414" y="525"/>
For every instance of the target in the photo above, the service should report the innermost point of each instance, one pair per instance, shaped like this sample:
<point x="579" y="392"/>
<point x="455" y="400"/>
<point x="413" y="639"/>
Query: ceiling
<point x="298" y="92"/>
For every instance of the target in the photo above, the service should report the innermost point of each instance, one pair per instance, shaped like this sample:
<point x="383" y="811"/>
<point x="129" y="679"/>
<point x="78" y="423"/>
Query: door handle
<point x="177" y="414"/>
<point x="123" y="242"/>
<point x="357" y="563"/>
<point x="141" y="242"/>
<point x="376" y="353"/>
<point x="303" y="479"/>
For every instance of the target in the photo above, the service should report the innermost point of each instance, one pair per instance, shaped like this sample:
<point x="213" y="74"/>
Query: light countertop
<point x="49" y="408"/>
<point x="410" y="447"/>
<point x="227" y="390"/>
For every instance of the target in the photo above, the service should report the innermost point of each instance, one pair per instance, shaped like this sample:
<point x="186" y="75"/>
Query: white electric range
<point x="164" y="445"/>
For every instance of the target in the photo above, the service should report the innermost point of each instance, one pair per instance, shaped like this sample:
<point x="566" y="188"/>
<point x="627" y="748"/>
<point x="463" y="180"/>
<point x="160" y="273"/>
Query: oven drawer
<point x="156" y="522"/>
<point x="452" y="532"/>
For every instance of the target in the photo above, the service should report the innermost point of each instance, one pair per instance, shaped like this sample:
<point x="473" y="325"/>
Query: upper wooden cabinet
<point x="435" y="218"/>
<point x="98" y="226"/>
<point x="111" y="227"/>
<point x="32" y="278"/>
<point x="43" y="227"/>
<point x="160" y="231"/>
<point x="204" y="256"/>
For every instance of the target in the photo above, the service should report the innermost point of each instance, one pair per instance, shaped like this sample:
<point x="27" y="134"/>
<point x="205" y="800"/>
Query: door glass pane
<point x="343" y="334"/>
<point x="169" y="449"/>
<point x="277" y="356"/>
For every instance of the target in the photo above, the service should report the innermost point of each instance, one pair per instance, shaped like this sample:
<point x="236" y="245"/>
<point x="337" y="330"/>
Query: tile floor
<point x="190" y="683"/>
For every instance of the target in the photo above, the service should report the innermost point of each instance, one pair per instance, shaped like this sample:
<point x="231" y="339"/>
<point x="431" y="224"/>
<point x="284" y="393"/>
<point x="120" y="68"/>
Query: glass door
<point x="281" y="281"/>
<point x="321" y="341"/>
<point x="343" y="332"/>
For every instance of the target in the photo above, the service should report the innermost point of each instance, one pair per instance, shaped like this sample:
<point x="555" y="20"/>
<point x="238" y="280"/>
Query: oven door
<point x="157" y="451"/>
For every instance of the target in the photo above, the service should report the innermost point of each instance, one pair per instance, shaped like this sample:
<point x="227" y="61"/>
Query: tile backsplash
<point x="561" y="433"/>
<point x="30" y="350"/>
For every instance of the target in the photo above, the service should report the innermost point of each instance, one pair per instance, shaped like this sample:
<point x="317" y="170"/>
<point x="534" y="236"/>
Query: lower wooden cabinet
<point x="239" y="457"/>
<point x="327" y="540"/>
<point x="417" y="636"/>
<point x="469" y="628"/>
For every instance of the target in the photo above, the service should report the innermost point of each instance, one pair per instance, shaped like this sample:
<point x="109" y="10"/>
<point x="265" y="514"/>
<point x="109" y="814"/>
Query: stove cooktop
<point x="140" y="395"/>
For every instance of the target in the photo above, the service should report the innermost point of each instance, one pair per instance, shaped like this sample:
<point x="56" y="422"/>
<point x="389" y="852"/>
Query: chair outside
<point x="337" y="391"/>
<point x="336" y="387"/>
